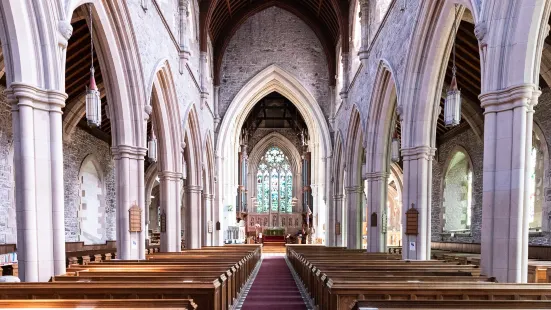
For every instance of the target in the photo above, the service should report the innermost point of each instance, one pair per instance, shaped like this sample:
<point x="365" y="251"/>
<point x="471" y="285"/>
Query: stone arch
<point x="353" y="180"/>
<point x="271" y="79"/>
<point x="546" y="206"/>
<point x="426" y="68"/>
<point x="449" y="161"/>
<point x="380" y="119"/>
<point x="167" y="118"/>
<point x="208" y="191"/>
<point x="91" y="215"/>
<point x="194" y="222"/>
<point x="287" y="147"/>
<point x="335" y="214"/>
<point x="123" y="83"/>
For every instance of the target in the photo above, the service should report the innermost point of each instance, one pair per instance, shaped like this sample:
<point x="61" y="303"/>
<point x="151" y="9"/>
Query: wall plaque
<point x="412" y="220"/>
<point x="163" y="222"/>
<point x="135" y="218"/>
<point x="338" y="228"/>
<point x="209" y="227"/>
<point x="217" y="225"/>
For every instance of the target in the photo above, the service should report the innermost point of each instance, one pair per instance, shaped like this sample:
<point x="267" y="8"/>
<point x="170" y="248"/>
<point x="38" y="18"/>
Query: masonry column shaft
<point x="354" y="203"/>
<point x="193" y="216"/>
<point x="508" y="119"/>
<point x="376" y="203"/>
<point x="170" y="198"/>
<point x="417" y="194"/>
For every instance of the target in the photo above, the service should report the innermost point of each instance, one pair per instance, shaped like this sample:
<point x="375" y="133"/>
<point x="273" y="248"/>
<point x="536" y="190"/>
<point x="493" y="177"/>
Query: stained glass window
<point x="274" y="186"/>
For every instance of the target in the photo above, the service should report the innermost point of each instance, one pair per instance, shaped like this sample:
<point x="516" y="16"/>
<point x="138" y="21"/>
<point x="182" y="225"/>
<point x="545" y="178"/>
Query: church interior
<point x="275" y="154"/>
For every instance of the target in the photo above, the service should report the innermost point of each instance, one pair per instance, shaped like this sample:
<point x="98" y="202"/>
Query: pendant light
<point x="93" y="100"/>
<point x="452" y="106"/>
<point x="395" y="147"/>
<point x="152" y="146"/>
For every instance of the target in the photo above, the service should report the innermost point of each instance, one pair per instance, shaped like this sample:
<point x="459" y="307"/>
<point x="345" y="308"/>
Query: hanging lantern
<point x="395" y="148"/>
<point x="452" y="105"/>
<point x="152" y="147"/>
<point x="93" y="99"/>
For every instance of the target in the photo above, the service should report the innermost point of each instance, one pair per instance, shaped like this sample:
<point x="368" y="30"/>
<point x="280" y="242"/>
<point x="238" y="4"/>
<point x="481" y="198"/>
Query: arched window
<point x="274" y="182"/>
<point x="535" y="205"/>
<point x="457" y="194"/>
<point x="91" y="216"/>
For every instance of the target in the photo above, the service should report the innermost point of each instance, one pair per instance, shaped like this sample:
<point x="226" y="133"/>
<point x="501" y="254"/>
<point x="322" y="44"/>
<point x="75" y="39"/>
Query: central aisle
<point x="274" y="288"/>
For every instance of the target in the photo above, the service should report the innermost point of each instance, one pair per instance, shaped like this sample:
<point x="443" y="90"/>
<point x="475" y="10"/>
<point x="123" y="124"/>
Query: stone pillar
<point x="203" y="65"/>
<point x="242" y="178"/>
<point x="185" y="51"/>
<point x="354" y="209"/>
<point x="508" y="119"/>
<point x="417" y="193"/>
<point x="345" y="79"/>
<point x="364" y="20"/>
<point x="38" y="149"/>
<point x="170" y="204"/>
<point x="193" y="225"/>
<point x="129" y="171"/>
<point x="216" y="100"/>
<point x="338" y="219"/>
<point x="377" y="185"/>
<point x="208" y="206"/>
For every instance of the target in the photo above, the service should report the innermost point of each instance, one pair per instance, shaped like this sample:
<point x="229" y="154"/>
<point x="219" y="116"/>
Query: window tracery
<point x="274" y="182"/>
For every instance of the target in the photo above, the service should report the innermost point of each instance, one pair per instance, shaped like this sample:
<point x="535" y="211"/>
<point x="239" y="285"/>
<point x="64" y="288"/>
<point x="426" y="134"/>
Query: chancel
<point x="275" y="154"/>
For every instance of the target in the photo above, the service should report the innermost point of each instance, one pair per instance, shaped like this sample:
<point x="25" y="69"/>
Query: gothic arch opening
<point x="91" y="214"/>
<point x="457" y="193"/>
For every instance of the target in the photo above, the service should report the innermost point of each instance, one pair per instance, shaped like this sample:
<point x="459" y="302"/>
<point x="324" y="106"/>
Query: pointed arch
<point x="426" y="68"/>
<point x="354" y="149"/>
<point x="273" y="79"/>
<point x="335" y="210"/>
<point x="166" y="118"/>
<point x="381" y="119"/>
<point x="193" y="149"/>
<point x="119" y="58"/>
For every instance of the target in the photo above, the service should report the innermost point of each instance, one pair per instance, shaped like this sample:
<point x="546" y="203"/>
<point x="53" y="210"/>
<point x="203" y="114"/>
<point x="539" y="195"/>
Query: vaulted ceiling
<point x="222" y="18"/>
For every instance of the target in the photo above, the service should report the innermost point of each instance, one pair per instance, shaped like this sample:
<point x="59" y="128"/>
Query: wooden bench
<point x="336" y="279"/>
<point x="212" y="277"/>
<point x="174" y="304"/>
<point x="452" y="304"/>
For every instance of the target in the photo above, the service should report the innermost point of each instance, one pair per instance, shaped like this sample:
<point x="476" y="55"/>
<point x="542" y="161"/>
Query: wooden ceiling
<point x="323" y="16"/>
<point x="77" y="75"/>
<point x="274" y="111"/>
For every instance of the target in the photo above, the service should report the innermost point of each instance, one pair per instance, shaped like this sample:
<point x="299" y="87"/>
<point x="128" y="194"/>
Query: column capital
<point x="418" y="152"/>
<point x="170" y="176"/>
<point x="193" y="189"/>
<point x="42" y="99"/>
<point x="354" y="189"/>
<point x="524" y="95"/>
<point x="128" y="151"/>
<point x="376" y="176"/>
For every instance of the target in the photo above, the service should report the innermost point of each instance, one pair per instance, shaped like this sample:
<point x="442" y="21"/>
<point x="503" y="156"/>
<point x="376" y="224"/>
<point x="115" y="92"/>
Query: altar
<point x="274" y="223"/>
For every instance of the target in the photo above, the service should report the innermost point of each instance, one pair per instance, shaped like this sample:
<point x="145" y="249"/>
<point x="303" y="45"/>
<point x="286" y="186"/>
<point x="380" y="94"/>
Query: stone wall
<point x="75" y="151"/>
<point x="8" y="230"/>
<point x="274" y="36"/>
<point x="475" y="150"/>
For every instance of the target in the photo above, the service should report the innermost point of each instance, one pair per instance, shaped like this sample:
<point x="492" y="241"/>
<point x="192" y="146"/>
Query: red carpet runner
<point x="274" y="288"/>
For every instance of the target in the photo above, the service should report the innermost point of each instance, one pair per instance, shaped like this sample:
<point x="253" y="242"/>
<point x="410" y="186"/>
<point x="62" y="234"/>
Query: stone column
<point x="377" y="185"/>
<point x="338" y="220"/>
<point x="345" y="79"/>
<point x="208" y="205"/>
<point x="216" y="100"/>
<point x="364" y="20"/>
<point x="354" y="209"/>
<point x="38" y="149"/>
<point x="508" y="119"/>
<point x="185" y="51"/>
<point x="193" y="217"/>
<point x="170" y="204"/>
<point x="242" y="178"/>
<point x="417" y="193"/>
<point x="203" y="58"/>
<point x="129" y="171"/>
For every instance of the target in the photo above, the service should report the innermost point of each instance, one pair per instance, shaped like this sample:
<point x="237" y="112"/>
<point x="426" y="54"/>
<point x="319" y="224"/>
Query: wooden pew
<point x="452" y="304"/>
<point x="337" y="283"/>
<point x="128" y="304"/>
<point x="196" y="274"/>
